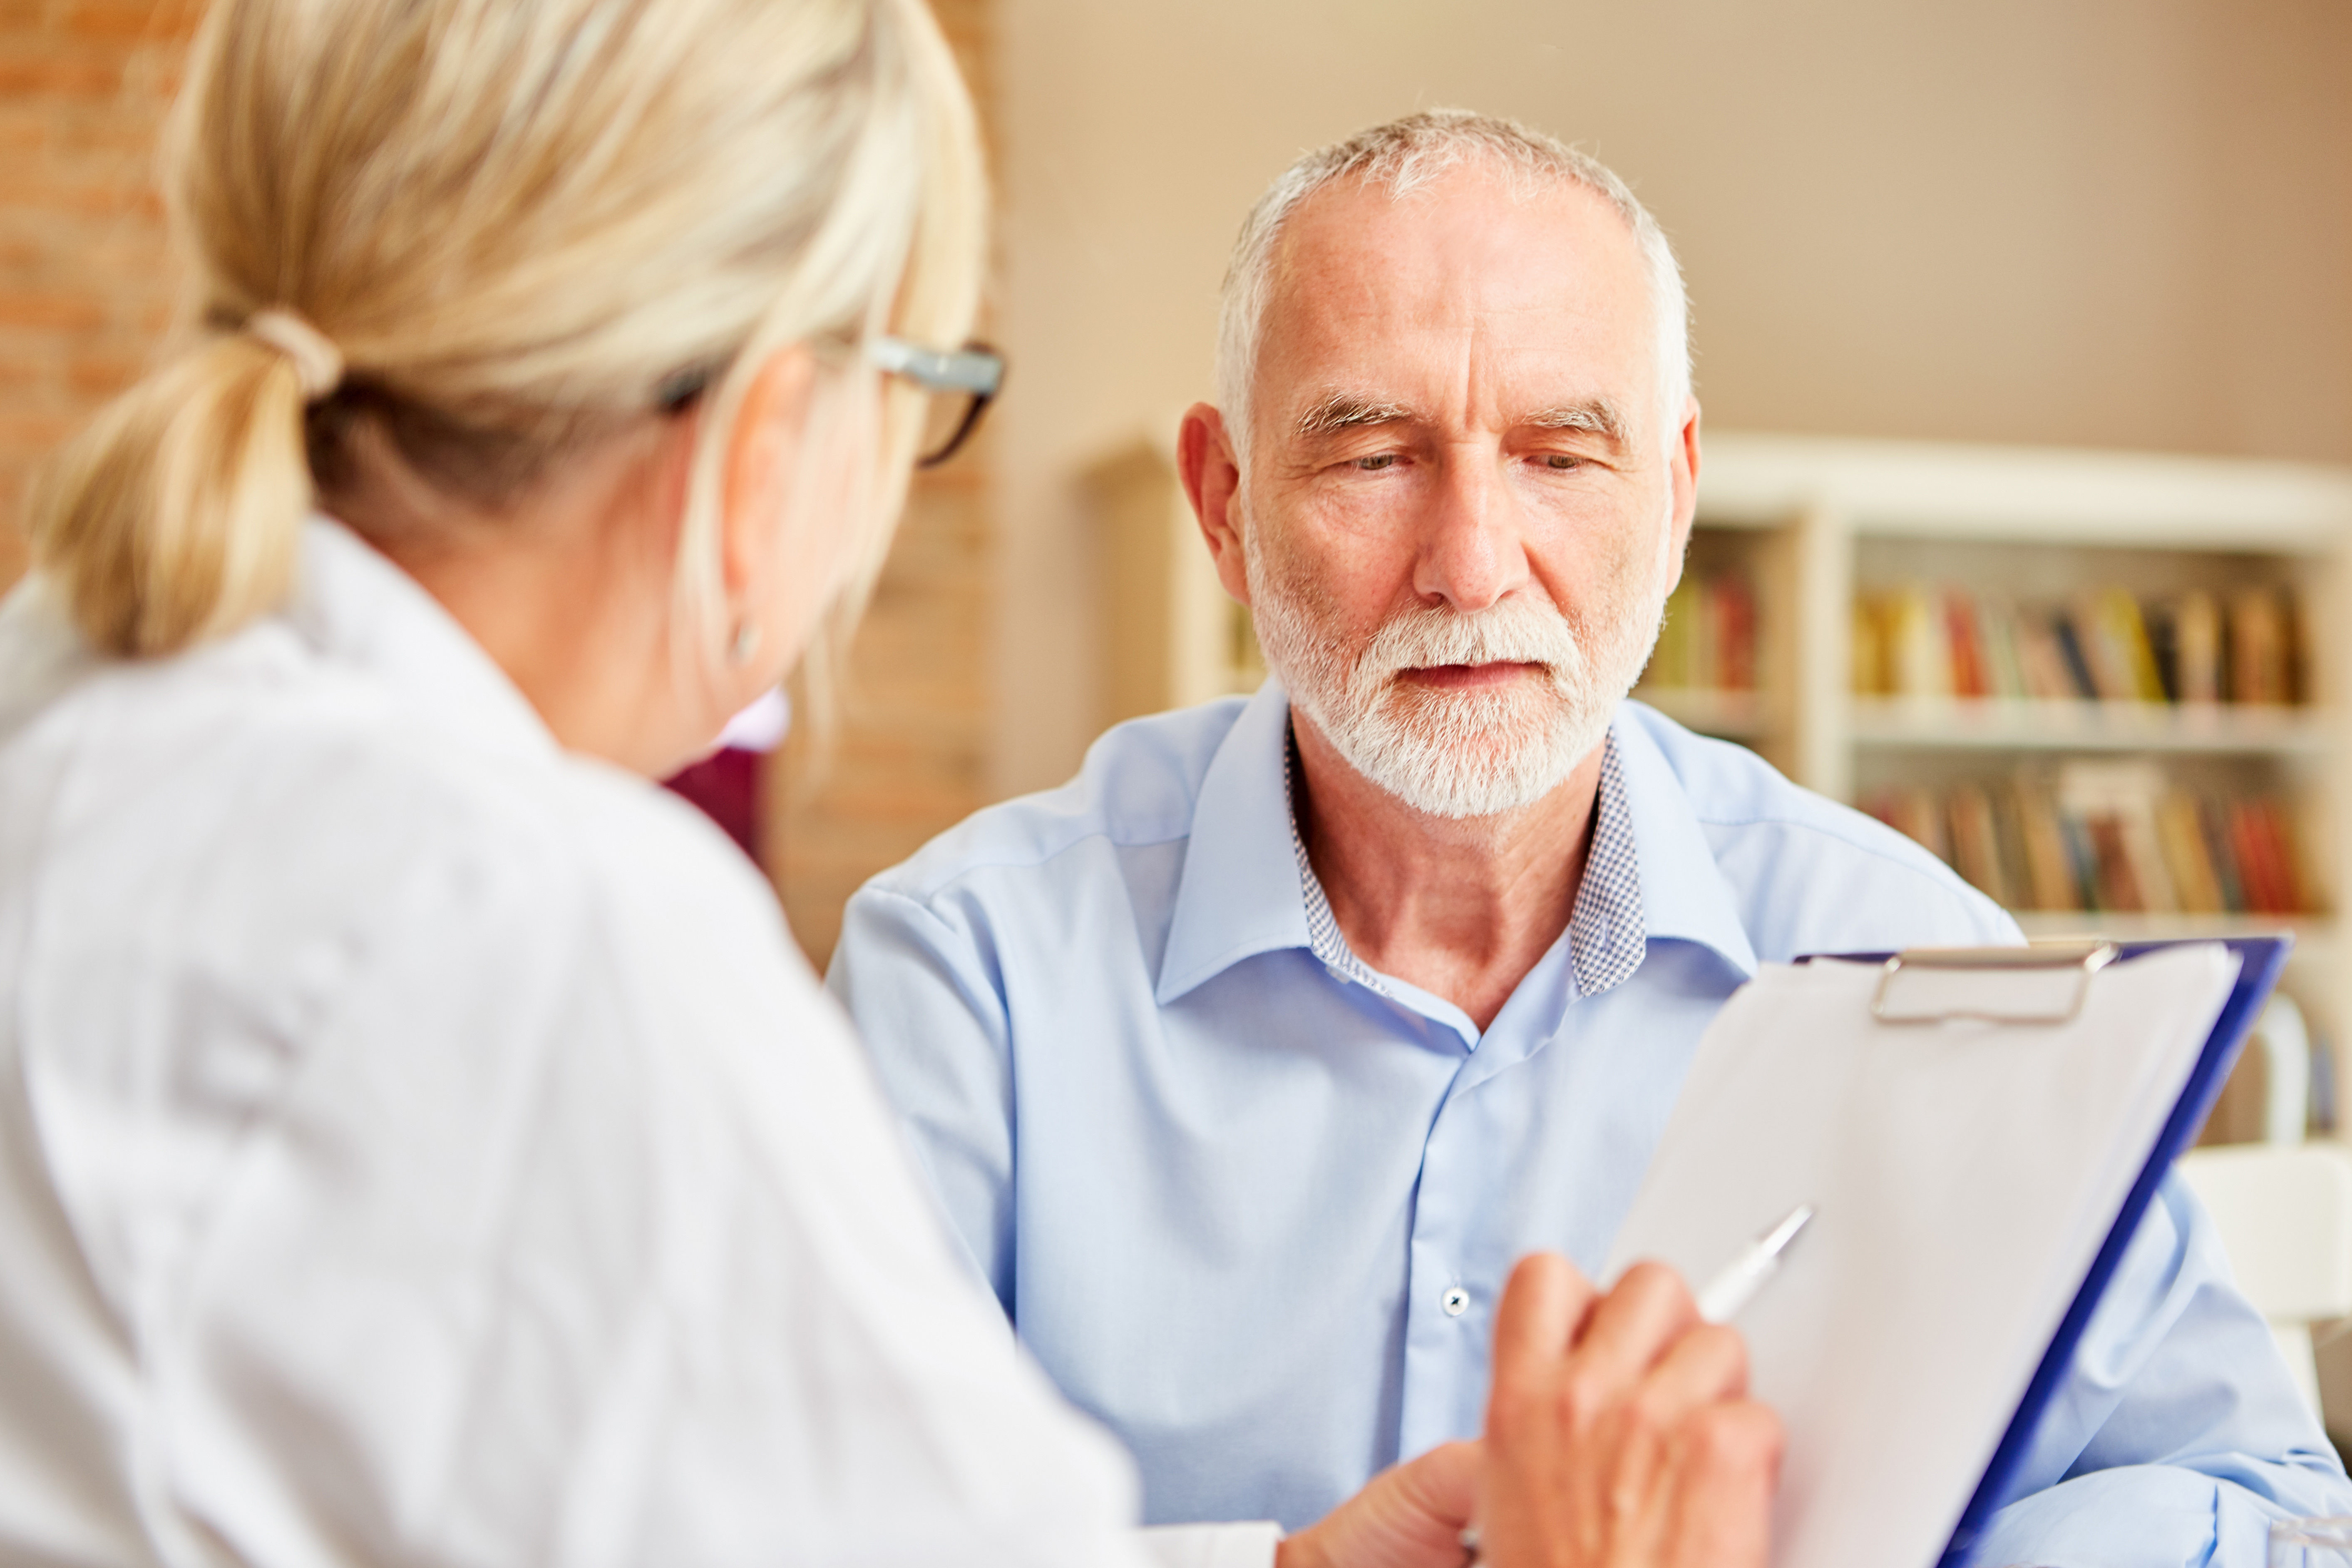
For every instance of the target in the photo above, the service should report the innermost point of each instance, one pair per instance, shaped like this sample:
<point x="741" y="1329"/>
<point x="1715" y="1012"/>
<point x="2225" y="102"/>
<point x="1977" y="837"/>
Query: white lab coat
<point x="420" y="1145"/>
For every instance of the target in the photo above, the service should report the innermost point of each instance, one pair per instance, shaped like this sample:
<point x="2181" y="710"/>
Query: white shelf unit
<point x="1998" y="724"/>
<point x="1170" y="638"/>
<point x="1812" y="520"/>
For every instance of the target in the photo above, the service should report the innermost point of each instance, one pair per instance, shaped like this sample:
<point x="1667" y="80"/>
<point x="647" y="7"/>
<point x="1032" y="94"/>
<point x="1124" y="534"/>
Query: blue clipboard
<point x="2259" y="959"/>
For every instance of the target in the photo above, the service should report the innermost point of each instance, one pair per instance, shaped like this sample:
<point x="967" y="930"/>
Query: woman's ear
<point x="762" y="454"/>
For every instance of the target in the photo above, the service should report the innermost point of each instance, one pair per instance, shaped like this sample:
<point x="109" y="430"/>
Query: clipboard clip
<point x="2044" y="984"/>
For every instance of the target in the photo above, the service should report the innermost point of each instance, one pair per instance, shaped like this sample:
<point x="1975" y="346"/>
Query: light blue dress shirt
<point x="1251" y="1203"/>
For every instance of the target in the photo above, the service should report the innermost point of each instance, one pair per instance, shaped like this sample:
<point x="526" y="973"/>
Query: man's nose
<point x="1471" y="554"/>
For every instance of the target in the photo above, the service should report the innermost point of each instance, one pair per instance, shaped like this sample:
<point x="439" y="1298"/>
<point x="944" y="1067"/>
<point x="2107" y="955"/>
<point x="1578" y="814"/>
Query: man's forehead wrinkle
<point x="1485" y="371"/>
<point x="1427" y="261"/>
<point x="1471" y="225"/>
<point x="1424" y="305"/>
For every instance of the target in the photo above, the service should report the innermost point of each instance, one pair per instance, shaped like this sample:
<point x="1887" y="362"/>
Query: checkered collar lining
<point x="1606" y="935"/>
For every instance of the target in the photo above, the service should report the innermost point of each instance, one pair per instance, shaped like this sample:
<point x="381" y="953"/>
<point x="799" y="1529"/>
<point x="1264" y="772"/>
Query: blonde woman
<point x="419" y="1142"/>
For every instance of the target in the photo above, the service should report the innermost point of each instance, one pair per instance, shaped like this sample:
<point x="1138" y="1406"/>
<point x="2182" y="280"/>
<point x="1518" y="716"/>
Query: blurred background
<point x="2023" y="333"/>
<point x="2105" y="223"/>
<point x="2120" y="223"/>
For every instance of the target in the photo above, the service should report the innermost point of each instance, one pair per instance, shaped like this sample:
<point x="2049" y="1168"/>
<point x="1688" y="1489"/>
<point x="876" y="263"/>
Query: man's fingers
<point x="1444" y="1482"/>
<point x="1541" y="1310"/>
<point x="1409" y="1516"/>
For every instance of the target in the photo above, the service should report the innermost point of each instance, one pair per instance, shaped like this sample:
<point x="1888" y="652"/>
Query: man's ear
<point x="1683" y="474"/>
<point x="1213" y="477"/>
<point x="762" y="458"/>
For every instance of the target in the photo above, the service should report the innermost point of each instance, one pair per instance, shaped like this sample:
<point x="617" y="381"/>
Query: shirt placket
<point x="1449" y="1315"/>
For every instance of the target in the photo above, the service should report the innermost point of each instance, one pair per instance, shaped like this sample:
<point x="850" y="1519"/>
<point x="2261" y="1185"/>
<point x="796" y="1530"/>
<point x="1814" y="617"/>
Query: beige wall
<point x="1999" y="221"/>
<point x="2119" y="223"/>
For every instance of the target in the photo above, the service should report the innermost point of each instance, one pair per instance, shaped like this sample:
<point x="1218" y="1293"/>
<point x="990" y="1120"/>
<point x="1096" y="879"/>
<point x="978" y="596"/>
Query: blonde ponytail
<point x="175" y="515"/>
<point x="524" y="223"/>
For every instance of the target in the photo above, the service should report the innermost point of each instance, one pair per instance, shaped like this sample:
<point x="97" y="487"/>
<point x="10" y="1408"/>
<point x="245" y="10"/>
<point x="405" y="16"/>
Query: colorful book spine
<point x="2102" y="644"/>
<point x="2110" y="838"/>
<point x="1707" y="640"/>
<point x="2196" y="620"/>
<point x="2260" y="662"/>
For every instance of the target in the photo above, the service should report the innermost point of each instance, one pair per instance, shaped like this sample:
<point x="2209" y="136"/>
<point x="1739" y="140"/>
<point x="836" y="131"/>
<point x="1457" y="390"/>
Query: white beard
<point x="1460" y="754"/>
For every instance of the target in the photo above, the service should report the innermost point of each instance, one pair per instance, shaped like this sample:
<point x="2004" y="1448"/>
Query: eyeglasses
<point x="960" y="384"/>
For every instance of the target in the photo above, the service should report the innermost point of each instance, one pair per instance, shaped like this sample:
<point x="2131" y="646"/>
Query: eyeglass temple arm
<point x="977" y="371"/>
<point x="954" y="444"/>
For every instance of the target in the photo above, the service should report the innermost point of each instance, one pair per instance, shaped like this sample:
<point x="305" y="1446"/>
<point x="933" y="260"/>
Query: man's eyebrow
<point x="1594" y="415"/>
<point x="1346" y="410"/>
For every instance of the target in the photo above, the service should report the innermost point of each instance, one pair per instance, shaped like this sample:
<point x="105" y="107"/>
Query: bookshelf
<point x="1810" y="531"/>
<point x="1832" y="532"/>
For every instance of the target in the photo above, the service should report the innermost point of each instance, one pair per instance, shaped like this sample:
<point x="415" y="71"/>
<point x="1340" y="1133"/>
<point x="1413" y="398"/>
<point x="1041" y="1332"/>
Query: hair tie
<point x="318" y="364"/>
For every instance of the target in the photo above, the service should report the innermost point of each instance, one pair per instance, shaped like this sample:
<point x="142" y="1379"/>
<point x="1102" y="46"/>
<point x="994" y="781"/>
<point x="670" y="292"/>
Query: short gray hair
<point x="1403" y="156"/>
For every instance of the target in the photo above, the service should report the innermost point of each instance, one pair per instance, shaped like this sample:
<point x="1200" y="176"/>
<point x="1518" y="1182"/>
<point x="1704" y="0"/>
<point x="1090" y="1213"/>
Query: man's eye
<point x="1562" y="461"/>
<point x="1376" y="462"/>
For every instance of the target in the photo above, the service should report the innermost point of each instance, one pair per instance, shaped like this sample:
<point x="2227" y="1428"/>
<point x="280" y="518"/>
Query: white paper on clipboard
<point x="1966" y="1174"/>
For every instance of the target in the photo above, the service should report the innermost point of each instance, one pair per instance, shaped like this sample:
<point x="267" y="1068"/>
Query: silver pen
<point x="1744" y="1274"/>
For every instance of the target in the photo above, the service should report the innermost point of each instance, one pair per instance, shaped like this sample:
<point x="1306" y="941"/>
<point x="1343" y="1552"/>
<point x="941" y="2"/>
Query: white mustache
<point x="1516" y="631"/>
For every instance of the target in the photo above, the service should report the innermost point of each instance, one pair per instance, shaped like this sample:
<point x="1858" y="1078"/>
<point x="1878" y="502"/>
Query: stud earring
<point x="745" y="643"/>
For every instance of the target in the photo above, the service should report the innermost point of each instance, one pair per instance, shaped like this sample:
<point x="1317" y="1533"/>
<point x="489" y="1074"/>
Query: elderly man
<point x="1247" y="1062"/>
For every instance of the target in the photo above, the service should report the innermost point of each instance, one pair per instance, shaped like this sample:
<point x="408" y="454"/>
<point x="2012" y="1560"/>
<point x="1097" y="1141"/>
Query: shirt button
<point x="1456" y="1300"/>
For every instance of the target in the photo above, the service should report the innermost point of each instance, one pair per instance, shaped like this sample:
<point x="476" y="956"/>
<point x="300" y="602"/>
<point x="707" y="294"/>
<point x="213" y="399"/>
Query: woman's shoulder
<point x="553" y="852"/>
<point x="282" y="822"/>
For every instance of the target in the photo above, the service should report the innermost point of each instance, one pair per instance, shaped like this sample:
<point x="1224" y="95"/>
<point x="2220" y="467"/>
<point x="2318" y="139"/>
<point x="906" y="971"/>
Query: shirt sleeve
<point x="920" y="985"/>
<point x="2179" y="1434"/>
<point x="582" y="1236"/>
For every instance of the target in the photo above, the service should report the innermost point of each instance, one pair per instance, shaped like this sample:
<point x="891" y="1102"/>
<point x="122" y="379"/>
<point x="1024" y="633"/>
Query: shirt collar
<point x="1239" y="894"/>
<point x="1608" y="932"/>
<point x="1684" y="895"/>
<point x="1606" y="938"/>
<point x="356" y="607"/>
<point x="1247" y="886"/>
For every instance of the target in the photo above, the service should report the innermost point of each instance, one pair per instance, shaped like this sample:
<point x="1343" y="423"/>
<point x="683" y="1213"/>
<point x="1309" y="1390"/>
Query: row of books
<point x="2110" y="836"/>
<point x="2105" y="644"/>
<point x="1708" y="639"/>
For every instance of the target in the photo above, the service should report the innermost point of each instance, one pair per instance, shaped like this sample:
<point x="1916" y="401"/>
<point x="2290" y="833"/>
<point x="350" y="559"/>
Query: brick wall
<point x="85" y="288"/>
<point x="911" y="758"/>
<point x="84" y="280"/>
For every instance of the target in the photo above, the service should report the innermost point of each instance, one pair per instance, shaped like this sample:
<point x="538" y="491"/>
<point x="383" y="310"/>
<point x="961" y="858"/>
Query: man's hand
<point x="1408" y="1515"/>
<point x="1619" y="1433"/>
